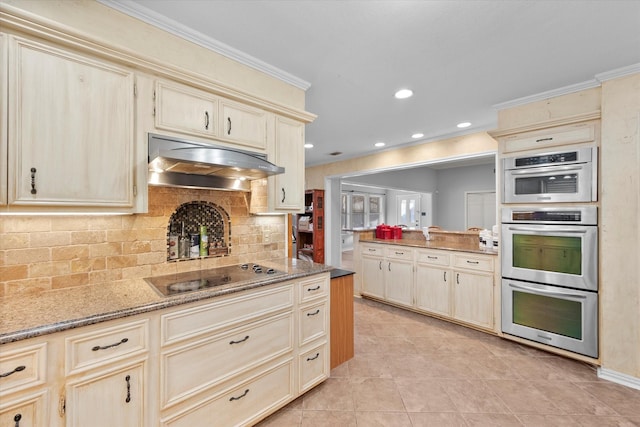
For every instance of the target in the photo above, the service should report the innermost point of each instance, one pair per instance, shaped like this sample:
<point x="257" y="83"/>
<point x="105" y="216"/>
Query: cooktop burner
<point x="178" y="283"/>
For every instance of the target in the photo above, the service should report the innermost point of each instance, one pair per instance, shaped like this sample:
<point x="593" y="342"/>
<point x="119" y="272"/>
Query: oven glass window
<point x="551" y="314"/>
<point x="560" y="184"/>
<point x="558" y="254"/>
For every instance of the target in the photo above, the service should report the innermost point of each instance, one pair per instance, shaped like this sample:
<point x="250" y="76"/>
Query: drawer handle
<point x="457" y="278"/>
<point x="313" y="289"/>
<point x="122" y="341"/>
<point x="399" y="253"/>
<point x="33" y="181"/>
<point x="128" y="380"/>
<point x="229" y="133"/>
<point x="544" y="139"/>
<point x="473" y="262"/>
<point x="206" y="120"/>
<point x="309" y="359"/>
<point x="314" y="313"/>
<point x="239" y="341"/>
<point x="432" y="257"/>
<point x="232" y="398"/>
<point x="17" y="419"/>
<point x="18" y="369"/>
<point x="445" y="276"/>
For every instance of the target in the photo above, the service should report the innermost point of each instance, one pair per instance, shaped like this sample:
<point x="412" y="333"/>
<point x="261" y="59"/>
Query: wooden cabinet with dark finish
<point x="310" y="235"/>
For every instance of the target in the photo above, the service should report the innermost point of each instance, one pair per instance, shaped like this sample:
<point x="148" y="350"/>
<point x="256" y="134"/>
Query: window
<point x="360" y="210"/>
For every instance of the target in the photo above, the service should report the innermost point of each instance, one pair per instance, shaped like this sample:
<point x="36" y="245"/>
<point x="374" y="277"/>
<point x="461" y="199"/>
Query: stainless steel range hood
<point x="175" y="162"/>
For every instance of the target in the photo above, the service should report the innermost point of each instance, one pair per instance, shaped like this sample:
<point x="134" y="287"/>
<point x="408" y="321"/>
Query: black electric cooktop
<point x="173" y="284"/>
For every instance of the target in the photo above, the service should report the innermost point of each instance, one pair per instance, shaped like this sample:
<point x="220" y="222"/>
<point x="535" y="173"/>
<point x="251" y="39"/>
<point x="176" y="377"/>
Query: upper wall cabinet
<point x="183" y="109"/>
<point x="558" y="136"/>
<point x="243" y="125"/>
<point x="187" y="110"/>
<point x="70" y="129"/>
<point x="287" y="189"/>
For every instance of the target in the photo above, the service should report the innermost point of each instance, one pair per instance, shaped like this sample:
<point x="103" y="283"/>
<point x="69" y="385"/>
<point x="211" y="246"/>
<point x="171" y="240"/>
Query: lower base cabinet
<point x="225" y="361"/>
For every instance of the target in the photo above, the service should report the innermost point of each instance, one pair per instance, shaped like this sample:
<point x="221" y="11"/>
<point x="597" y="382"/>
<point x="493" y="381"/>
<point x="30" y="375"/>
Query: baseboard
<point x="619" y="378"/>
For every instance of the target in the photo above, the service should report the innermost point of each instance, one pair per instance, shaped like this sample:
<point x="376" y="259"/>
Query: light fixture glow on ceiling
<point x="379" y="144"/>
<point x="463" y="125"/>
<point x="417" y="135"/>
<point x="308" y="145"/>
<point x="403" y="93"/>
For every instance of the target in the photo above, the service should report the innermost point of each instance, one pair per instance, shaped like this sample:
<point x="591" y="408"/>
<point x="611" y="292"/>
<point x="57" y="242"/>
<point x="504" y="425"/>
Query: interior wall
<point x="449" y="199"/>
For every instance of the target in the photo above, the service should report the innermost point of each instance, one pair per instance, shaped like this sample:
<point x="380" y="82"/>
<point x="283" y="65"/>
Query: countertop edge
<point x="430" y="245"/>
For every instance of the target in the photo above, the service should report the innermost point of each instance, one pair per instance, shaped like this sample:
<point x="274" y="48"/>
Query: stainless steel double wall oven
<point x="550" y="250"/>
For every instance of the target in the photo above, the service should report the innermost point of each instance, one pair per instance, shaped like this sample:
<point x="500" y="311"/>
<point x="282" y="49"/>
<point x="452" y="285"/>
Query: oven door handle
<point x="544" y="291"/>
<point x="537" y="171"/>
<point x="554" y="231"/>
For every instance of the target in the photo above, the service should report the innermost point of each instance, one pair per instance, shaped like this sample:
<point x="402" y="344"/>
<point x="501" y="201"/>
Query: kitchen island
<point x="121" y="354"/>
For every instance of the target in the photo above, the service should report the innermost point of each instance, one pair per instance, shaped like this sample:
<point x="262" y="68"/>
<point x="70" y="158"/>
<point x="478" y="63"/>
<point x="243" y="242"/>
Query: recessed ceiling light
<point x="463" y="125"/>
<point x="417" y="135"/>
<point x="403" y="93"/>
<point x="308" y="145"/>
<point x="379" y="144"/>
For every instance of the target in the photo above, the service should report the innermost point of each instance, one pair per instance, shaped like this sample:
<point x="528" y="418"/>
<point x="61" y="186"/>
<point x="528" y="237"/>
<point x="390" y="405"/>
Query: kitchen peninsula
<point x="449" y="276"/>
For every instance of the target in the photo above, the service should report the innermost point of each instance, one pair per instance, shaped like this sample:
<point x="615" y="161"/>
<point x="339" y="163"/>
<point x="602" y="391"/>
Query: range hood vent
<point x="175" y="162"/>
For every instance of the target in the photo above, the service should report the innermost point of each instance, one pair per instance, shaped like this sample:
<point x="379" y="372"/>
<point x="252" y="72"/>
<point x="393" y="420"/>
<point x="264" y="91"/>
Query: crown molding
<point x="618" y="72"/>
<point x="135" y="10"/>
<point x="589" y="84"/>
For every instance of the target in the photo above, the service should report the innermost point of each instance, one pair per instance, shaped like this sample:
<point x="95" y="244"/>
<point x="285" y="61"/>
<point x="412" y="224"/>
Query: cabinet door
<point x="3" y="118"/>
<point x="433" y="290"/>
<point x="399" y="281"/>
<point x="288" y="188"/>
<point x="111" y="398"/>
<point x="243" y="125"/>
<point x="29" y="411"/>
<point x="373" y="276"/>
<point x="473" y="298"/>
<point x="71" y="129"/>
<point x="185" y="109"/>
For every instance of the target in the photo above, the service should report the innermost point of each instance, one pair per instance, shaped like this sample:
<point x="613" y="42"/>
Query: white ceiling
<point x="461" y="58"/>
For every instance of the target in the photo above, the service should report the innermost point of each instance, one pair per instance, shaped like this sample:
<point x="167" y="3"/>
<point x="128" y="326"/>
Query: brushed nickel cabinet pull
<point x="232" y="398"/>
<point x="239" y="341"/>
<point x="17" y="369"/>
<point x="122" y="341"/>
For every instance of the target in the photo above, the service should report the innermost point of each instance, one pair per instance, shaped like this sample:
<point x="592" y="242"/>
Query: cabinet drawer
<point x="242" y="404"/>
<point x="28" y="411"/>
<point x="200" y="365"/>
<point x="399" y="252"/>
<point x="105" y="345"/>
<point x="482" y="263"/>
<point x="373" y="250"/>
<point x="432" y="257"/>
<point x="22" y="367"/>
<point x="195" y="321"/>
<point x="314" y="288"/>
<point x="314" y="367"/>
<point x="562" y="135"/>
<point x="313" y="322"/>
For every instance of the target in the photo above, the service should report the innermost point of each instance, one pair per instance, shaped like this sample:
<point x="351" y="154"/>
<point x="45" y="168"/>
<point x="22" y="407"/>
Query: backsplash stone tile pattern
<point x="39" y="253"/>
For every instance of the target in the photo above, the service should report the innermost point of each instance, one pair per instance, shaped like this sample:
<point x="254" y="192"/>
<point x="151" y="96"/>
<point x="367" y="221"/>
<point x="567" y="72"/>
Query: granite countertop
<point x="433" y="244"/>
<point x="339" y="272"/>
<point x="58" y="310"/>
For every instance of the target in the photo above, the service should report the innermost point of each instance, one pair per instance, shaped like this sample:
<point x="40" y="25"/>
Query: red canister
<point x="397" y="232"/>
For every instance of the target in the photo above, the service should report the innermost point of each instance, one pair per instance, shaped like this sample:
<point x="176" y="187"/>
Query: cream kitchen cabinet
<point x="184" y="109"/>
<point x="3" y="118"/>
<point x="243" y="125"/>
<point x="372" y="260"/>
<point x="105" y="371"/>
<point x="25" y="384"/>
<point x="433" y="276"/>
<point x="70" y="129"/>
<point x="387" y="273"/>
<point x="558" y="136"/>
<point x="473" y="289"/>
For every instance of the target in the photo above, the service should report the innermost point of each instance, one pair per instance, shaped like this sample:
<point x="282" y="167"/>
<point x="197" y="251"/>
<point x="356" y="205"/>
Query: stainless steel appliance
<point x="175" y="162"/>
<point x="551" y="245"/>
<point x="173" y="284"/>
<point x="550" y="276"/>
<point x="561" y="176"/>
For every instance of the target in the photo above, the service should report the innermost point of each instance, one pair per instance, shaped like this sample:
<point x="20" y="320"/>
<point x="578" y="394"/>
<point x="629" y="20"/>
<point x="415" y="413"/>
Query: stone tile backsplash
<point x="39" y="253"/>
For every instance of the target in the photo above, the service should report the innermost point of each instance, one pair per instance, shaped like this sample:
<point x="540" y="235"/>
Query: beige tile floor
<point x="413" y="370"/>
